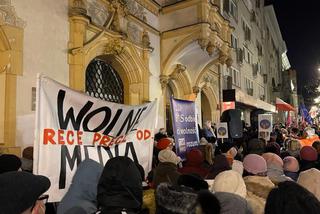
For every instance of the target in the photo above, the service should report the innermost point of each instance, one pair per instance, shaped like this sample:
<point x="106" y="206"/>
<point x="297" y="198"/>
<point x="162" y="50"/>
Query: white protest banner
<point x="222" y="130"/>
<point x="72" y="127"/>
<point x="265" y="122"/>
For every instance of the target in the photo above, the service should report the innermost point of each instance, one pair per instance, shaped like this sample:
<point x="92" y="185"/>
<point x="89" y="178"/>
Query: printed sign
<point x="222" y="130"/>
<point x="72" y="127"/>
<point x="185" y="126"/>
<point x="265" y="122"/>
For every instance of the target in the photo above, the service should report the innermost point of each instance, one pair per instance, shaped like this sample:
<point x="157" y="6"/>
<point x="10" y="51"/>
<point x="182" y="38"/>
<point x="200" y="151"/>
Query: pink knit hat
<point x="290" y="164"/>
<point x="273" y="159"/>
<point x="308" y="153"/>
<point x="254" y="164"/>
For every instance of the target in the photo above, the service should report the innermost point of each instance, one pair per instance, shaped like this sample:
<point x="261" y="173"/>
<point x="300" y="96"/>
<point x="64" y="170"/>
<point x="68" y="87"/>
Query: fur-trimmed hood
<point x="175" y="199"/>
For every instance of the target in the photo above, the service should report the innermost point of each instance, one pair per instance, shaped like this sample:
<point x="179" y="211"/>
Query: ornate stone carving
<point x="196" y="89"/>
<point x="229" y="61"/>
<point x="210" y="48"/>
<point x="9" y="16"/>
<point x="164" y="80"/>
<point x="134" y="32"/>
<point x="203" y="43"/>
<point x="98" y="12"/>
<point x="136" y="9"/>
<point x="177" y="71"/>
<point x="114" y="47"/>
<point x="145" y="40"/>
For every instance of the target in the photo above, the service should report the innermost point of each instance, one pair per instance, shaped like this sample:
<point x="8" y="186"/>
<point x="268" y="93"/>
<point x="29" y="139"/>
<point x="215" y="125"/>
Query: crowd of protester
<point x="247" y="175"/>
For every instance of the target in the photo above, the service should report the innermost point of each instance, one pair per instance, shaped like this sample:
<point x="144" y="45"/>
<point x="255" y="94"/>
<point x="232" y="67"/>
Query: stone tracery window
<point x="103" y="81"/>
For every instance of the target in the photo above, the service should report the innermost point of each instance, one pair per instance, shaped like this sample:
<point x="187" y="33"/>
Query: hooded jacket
<point x="120" y="187"/>
<point x="83" y="190"/>
<point x="258" y="189"/>
<point x="165" y="172"/>
<point x="194" y="163"/>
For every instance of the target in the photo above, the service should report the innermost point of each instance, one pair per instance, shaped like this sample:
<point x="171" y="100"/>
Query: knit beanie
<point x="290" y="164"/>
<point x="194" y="157"/>
<point x="164" y="143"/>
<point x="273" y="159"/>
<point x="9" y="163"/>
<point x="254" y="164"/>
<point x="167" y="155"/>
<point x="310" y="179"/>
<point x="230" y="181"/>
<point x="308" y="153"/>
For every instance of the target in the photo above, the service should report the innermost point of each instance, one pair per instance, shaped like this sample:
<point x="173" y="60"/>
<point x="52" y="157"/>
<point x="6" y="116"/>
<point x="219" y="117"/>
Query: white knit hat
<point x="230" y="181"/>
<point x="167" y="155"/>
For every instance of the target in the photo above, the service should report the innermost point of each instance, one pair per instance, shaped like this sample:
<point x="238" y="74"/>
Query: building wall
<point x="46" y="36"/>
<point x="265" y="33"/>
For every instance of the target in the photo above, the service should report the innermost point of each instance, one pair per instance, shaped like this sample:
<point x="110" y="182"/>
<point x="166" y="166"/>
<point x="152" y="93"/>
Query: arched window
<point x="103" y="82"/>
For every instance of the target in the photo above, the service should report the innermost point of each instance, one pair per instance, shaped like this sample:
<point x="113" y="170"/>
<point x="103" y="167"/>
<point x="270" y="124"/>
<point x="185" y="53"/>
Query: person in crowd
<point x="230" y="181"/>
<point x="193" y="181"/>
<point x="310" y="179"/>
<point x="207" y="203"/>
<point x="289" y="197"/>
<point x="308" y="158"/>
<point x="275" y="168"/>
<point x="237" y="166"/>
<point x="208" y="132"/>
<point x="254" y="164"/>
<point x="309" y="136"/>
<point x="232" y="204"/>
<point x="194" y="163"/>
<point x="165" y="143"/>
<point x="161" y="144"/>
<point x="294" y="147"/>
<point x="27" y="159"/>
<point x="82" y="192"/>
<point x="174" y="199"/>
<point x="207" y="150"/>
<point x="257" y="183"/>
<point x="167" y="170"/>
<point x="9" y="163"/>
<point x="254" y="146"/>
<point x="258" y="188"/>
<point x="220" y="164"/>
<point x="316" y="145"/>
<point x="22" y="193"/>
<point x="161" y="134"/>
<point x="273" y="147"/>
<point x="119" y="187"/>
<point x="291" y="167"/>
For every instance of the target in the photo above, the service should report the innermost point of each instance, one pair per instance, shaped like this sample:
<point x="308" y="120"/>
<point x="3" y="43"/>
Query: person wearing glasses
<point x="23" y="193"/>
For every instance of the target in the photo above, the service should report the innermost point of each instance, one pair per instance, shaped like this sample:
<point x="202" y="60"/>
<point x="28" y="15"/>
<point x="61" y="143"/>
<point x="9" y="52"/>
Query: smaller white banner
<point x="222" y="130"/>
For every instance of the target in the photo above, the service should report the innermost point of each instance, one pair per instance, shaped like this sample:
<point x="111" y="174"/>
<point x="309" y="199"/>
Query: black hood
<point x="120" y="185"/>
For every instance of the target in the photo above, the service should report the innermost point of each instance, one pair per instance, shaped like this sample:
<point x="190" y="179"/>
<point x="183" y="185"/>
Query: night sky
<point x="300" y="26"/>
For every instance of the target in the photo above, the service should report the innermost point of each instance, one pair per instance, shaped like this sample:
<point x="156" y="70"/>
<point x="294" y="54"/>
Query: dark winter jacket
<point x="120" y="187"/>
<point x="165" y="172"/>
<point x="83" y="190"/>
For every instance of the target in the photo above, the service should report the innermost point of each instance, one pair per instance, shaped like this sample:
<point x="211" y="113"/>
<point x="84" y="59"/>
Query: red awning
<point x="283" y="106"/>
